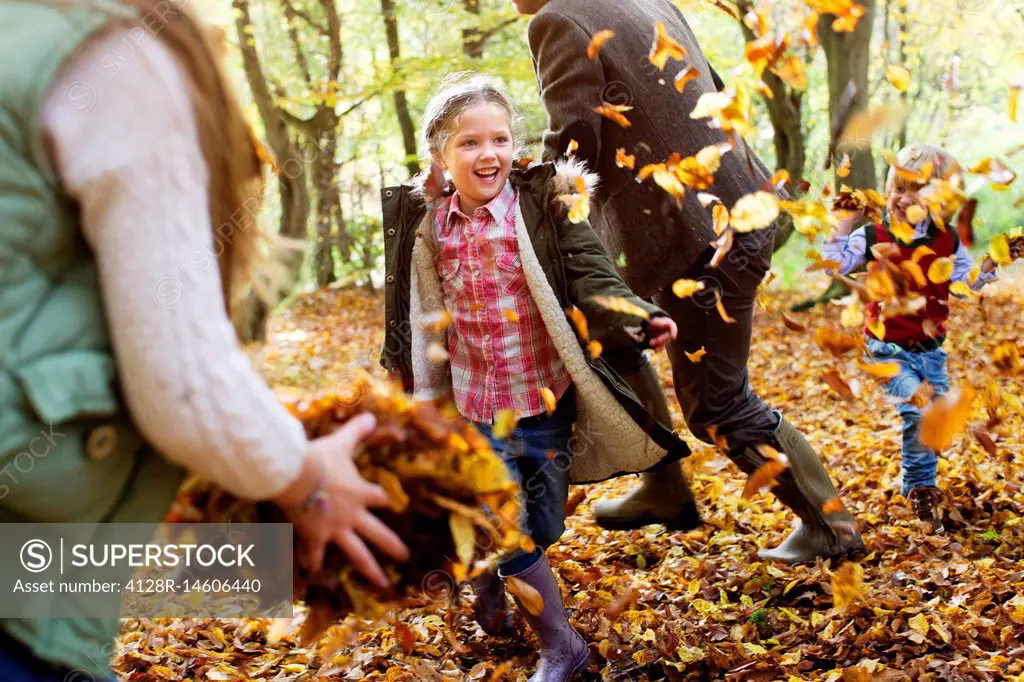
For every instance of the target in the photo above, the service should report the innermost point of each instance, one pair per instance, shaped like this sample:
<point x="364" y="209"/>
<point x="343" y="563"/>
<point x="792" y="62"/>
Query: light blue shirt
<point x="851" y="252"/>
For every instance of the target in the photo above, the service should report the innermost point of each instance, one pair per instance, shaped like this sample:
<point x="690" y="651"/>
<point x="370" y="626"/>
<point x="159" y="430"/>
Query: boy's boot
<point x="925" y="501"/>
<point x="804" y="487"/>
<point x="491" y="610"/>
<point x="664" y="495"/>
<point x="563" y="652"/>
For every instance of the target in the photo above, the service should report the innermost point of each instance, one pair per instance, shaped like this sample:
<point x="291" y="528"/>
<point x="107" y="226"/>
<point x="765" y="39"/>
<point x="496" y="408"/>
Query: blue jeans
<point x="919" y="463"/>
<point x="537" y="456"/>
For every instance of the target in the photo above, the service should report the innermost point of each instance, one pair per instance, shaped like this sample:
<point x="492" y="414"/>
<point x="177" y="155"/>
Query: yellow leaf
<point x="919" y="623"/>
<point x="881" y="370"/>
<point x="914" y="270"/>
<point x="463" y="537"/>
<point x="791" y="658"/>
<point x="899" y="77"/>
<point x="614" y="112"/>
<point x="436" y="353"/>
<point x="754" y="649"/>
<point x="721" y="218"/>
<point x="548" y="396"/>
<point x="621" y="305"/>
<point x="504" y="423"/>
<point x="624" y="160"/>
<point x="852" y="316"/>
<point x="697" y="355"/>
<point x="999" y="250"/>
<point x="945" y="417"/>
<point x="973" y="275"/>
<point x="941" y="630"/>
<point x="597" y="42"/>
<point x="664" y="47"/>
<point x="765" y="475"/>
<point x="397" y="498"/>
<point x="920" y="252"/>
<point x="916" y="214"/>
<point x="847" y="585"/>
<point x="961" y="289"/>
<point x="684" y="288"/>
<point x="754" y="212"/>
<point x="528" y="597"/>
<point x="685" y="76"/>
<point x="1014" y="96"/>
<point x="578" y="205"/>
<point x="940" y="270"/>
<point x="877" y="327"/>
<point x="694" y="587"/>
<point x="904" y="232"/>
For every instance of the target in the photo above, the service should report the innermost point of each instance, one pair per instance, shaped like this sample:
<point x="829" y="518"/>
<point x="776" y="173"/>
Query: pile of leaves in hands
<point x="451" y="501"/>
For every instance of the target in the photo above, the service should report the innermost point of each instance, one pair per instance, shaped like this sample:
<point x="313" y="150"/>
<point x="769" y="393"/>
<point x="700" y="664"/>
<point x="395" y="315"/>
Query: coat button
<point x="392" y="324"/>
<point x="388" y="193"/>
<point x="391" y="232"/>
<point x="101" y="442"/>
<point x="390" y="278"/>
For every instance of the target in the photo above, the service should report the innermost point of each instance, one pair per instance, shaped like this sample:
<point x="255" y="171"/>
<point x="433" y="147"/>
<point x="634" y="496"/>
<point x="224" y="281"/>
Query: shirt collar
<point x="498" y="207"/>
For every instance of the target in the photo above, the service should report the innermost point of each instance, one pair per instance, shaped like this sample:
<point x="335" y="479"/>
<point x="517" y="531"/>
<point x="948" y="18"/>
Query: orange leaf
<point x="986" y="441"/>
<point x="697" y="355"/>
<point x="792" y="325"/>
<point x="614" y="112"/>
<point x="838" y="384"/>
<point x="528" y="597"/>
<point x="510" y="315"/>
<point x="624" y="160"/>
<point x="765" y="476"/>
<point x="946" y="417"/>
<point x="880" y="370"/>
<point x="405" y="637"/>
<point x="622" y="601"/>
<point x="548" y="396"/>
<point x="597" y="42"/>
<point x="832" y="506"/>
<point x="847" y="585"/>
<point x="664" y="48"/>
<point x="595" y="348"/>
<point x="579" y="321"/>
<point x="721" y="308"/>
<point x="685" y="76"/>
<point x="575" y="500"/>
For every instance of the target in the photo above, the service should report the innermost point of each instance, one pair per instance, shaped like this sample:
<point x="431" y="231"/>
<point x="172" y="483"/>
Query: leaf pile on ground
<point x="660" y="605"/>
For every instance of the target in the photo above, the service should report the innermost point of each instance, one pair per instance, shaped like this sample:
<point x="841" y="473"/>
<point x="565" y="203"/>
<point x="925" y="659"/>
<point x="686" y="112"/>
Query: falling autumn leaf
<point x="847" y="585"/>
<point x="576" y="498"/>
<point x="916" y="214"/>
<point x="622" y="601"/>
<point x="548" y="396"/>
<point x="754" y="212"/>
<point x="880" y="370"/>
<point x="526" y="595"/>
<point x="597" y="42"/>
<point x="510" y="315"/>
<point x="614" y="112"/>
<point x="685" y="76"/>
<point x="437" y="353"/>
<point x="579" y="322"/>
<point x="898" y="76"/>
<point x="838" y="384"/>
<point x="504" y="423"/>
<point x="945" y="417"/>
<point x="940" y="271"/>
<point x="664" y="48"/>
<point x="792" y="324"/>
<point x="594" y="348"/>
<point x="765" y="475"/>
<point x="684" y="288"/>
<point x="697" y="355"/>
<point x="843" y="170"/>
<point x="721" y="308"/>
<point x="620" y="305"/>
<point x="999" y="249"/>
<point x="624" y="160"/>
<point x="833" y="505"/>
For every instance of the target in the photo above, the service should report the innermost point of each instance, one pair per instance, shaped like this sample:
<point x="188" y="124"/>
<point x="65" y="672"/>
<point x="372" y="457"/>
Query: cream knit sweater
<point x="124" y="142"/>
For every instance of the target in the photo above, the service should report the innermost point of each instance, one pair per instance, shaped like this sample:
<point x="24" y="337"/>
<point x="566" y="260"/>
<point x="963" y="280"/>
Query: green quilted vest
<point x="68" y="450"/>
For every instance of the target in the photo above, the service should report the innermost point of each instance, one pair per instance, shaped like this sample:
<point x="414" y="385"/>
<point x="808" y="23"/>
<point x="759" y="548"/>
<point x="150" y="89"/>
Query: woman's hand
<point x="660" y="330"/>
<point x="847" y="221"/>
<point x="331" y="502"/>
<point x="987" y="264"/>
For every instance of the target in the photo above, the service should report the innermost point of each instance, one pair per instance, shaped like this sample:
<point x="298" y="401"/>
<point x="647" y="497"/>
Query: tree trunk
<point x="387" y="8"/>
<point x="324" y="172"/>
<point x="847" y="55"/>
<point x="472" y="38"/>
<point x="252" y="316"/>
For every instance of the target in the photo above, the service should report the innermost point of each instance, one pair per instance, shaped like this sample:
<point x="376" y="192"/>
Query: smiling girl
<point x="496" y="249"/>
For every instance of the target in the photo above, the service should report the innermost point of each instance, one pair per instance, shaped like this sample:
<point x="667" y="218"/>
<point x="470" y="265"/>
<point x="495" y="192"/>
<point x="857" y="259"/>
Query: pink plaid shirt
<point x="496" y="363"/>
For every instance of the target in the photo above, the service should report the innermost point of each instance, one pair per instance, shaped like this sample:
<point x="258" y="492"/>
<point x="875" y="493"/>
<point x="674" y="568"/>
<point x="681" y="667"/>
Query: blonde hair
<point x="458" y="92"/>
<point x="914" y="157"/>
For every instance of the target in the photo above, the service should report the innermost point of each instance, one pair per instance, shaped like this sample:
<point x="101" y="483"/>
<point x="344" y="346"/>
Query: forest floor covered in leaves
<point x="658" y="605"/>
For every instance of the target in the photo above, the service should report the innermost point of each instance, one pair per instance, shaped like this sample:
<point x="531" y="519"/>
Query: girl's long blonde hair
<point x="228" y="143"/>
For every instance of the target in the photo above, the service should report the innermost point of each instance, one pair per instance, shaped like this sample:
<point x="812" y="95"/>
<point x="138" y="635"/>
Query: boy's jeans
<point x="919" y="462"/>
